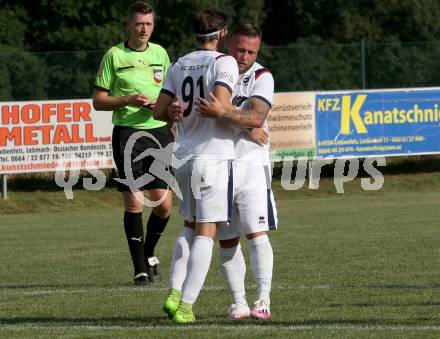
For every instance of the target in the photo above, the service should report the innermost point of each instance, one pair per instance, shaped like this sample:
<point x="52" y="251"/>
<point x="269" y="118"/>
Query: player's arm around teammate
<point x="254" y="210"/>
<point x="128" y="83"/>
<point x="252" y="115"/>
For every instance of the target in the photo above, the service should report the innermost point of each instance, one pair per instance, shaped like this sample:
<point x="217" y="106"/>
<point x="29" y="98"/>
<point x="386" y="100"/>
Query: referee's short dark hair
<point x="248" y="30"/>
<point x="139" y="7"/>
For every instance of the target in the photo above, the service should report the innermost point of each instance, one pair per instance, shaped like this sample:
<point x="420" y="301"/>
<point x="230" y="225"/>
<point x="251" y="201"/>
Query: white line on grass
<point x="31" y="292"/>
<point x="261" y="328"/>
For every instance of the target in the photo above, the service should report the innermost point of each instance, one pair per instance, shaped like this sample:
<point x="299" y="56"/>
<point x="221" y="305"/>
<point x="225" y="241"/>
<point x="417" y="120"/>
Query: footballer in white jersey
<point x="254" y="206"/>
<point x="253" y="209"/>
<point x="256" y="82"/>
<point x="195" y="75"/>
<point x="208" y="143"/>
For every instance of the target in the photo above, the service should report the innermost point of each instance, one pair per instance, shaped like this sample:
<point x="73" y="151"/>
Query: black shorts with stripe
<point x="121" y="135"/>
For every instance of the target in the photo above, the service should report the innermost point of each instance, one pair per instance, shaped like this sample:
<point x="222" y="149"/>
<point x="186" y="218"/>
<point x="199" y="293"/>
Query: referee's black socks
<point x="134" y="232"/>
<point x="155" y="228"/>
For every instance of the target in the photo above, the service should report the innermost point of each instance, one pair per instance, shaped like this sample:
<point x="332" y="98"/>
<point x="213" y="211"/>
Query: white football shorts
<point x="207" y="195"/>
<point x="253" y="208"/>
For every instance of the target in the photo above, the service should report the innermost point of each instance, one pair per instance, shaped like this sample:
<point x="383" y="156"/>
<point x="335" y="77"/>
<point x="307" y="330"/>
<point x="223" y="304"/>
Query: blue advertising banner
<point x="376" y="123"/>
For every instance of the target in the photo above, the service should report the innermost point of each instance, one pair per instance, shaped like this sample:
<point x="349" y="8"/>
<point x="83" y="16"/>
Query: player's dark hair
<point x="248" y="30"/>
<point x="139" y="7"/>
<point x="209" y="21"/>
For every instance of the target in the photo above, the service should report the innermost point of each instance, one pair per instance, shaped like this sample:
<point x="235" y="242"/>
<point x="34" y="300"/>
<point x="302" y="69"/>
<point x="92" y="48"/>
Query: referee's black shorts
<point x="120" y="137"/>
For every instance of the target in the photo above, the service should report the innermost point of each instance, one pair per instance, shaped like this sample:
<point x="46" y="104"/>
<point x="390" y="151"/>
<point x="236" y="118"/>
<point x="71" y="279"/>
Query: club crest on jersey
<point x="158" y="75"/>
<point x="238" y="100"/>
<point x="246" y="80"/>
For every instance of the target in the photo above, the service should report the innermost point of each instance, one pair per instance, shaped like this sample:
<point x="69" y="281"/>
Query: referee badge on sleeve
<point x="158" y="76"/>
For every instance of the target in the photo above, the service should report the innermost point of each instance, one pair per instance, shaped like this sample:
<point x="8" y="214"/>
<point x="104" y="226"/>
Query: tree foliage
<point x="347" y="21"/>
<point x="62" y="25"/>
<point x="321" y="41"/>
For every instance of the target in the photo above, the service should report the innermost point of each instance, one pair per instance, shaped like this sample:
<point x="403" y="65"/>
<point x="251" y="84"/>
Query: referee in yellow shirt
<point x="128" y="82"/>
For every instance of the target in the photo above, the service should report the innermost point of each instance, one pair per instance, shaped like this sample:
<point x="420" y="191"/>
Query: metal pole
<point x="310" y="171"/>
<point x="5" y="186"/>
<point x="363" y="65"/>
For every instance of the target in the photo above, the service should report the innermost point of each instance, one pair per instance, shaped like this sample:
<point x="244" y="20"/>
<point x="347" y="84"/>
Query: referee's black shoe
<point x="141" y="279"/>
<point x="152" y="269"/>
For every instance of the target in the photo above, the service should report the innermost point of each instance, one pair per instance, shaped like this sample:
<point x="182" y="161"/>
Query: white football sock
<point x="179" y="262"/>
<point x="261" y="258"/>
<point x="198" y="267"/>
<point x="234" y="271"/>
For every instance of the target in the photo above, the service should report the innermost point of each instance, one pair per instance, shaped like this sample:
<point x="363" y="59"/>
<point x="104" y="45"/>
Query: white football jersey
<point x="191" y="76"/>
<point x="255" y="82"/>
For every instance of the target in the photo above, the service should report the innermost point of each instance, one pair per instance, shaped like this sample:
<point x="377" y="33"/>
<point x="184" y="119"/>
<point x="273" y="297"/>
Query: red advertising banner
<point x="43" y="136"/>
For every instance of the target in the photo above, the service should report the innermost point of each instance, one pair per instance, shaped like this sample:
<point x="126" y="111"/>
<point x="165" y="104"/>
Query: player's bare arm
<point x="102" y="101"/>
<point x="215" y="109"/>
<point x="253" y="115"/>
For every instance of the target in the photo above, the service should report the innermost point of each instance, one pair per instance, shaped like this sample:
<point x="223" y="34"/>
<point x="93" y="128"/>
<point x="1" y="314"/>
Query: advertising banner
<point x="378" y="123"/>
<point x="292" y="126"/>
<point x="41" y="136"/>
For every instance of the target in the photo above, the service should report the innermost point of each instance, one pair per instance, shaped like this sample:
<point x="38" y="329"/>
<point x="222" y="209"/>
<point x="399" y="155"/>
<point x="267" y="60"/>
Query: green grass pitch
<point x="358" y="264"/>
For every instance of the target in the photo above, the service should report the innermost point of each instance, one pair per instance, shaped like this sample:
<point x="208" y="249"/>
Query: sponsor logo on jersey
<point x="226" y="76"/>
<point x="261" y="220"/>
